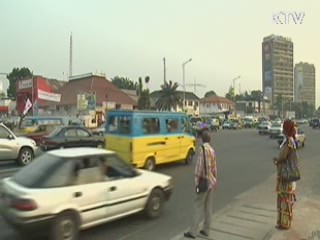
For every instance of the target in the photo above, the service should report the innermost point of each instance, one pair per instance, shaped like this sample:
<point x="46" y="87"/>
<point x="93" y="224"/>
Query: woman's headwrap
<point x="289" y="128"/>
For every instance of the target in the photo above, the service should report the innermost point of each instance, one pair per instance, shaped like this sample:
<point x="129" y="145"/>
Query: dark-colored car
<point x="315" y="123"/>
<point x="71" y="136"/>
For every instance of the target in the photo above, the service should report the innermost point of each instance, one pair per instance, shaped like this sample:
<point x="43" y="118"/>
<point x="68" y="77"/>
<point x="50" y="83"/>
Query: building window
<point x="196" y="104"/>
<point x="57" y="108"/>
<point x="189" y="103"/>
<point x="66" y="108"/>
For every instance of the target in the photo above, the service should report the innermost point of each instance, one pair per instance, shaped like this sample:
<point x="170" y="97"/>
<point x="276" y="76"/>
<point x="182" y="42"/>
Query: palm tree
<point x="169" y="97"/>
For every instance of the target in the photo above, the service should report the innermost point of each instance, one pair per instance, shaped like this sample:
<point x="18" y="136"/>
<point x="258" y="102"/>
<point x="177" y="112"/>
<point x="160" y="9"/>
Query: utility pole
<point x="164" y="70"/>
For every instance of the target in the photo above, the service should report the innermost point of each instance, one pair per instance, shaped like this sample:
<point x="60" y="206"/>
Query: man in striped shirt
<point x="206" y="167"/>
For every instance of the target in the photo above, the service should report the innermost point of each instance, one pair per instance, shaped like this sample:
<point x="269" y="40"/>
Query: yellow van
<point x="148" y="138"/>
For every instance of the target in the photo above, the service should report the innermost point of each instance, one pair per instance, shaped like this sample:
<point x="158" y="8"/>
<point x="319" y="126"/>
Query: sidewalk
<point x="253" y="216"/>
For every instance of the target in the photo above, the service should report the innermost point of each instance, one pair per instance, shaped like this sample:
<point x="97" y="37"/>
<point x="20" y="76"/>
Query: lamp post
<point x="234" y="90"/>
<point x="183" y="81"/>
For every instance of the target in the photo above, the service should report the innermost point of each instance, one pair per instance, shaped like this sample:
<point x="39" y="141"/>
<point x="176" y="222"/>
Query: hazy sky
<point x="130" y="38"/>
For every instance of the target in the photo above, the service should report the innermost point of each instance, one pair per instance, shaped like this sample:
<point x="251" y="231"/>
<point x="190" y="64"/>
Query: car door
<point x="9" y="147"/>
<point x="126" y="193"/>
<point x="89" y="190"/>
<point x="70" y="138"/>
<point x="85" y="138"/>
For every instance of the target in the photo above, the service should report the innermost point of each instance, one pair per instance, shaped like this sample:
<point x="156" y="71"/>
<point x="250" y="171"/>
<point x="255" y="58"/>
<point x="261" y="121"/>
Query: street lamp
<point x="183" y="81"/>
<point x="234" y="90"/>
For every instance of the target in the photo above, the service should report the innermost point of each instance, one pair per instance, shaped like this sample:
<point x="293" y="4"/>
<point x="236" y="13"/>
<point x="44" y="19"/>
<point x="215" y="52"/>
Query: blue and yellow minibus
<point x="148" y="138"/>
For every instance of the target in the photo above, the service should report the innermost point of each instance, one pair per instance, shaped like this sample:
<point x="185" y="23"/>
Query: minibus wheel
<point x="150" y="164"/>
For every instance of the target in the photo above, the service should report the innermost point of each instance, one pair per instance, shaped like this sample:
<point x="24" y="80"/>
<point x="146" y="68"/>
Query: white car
<point x="66" y="190"/>
<point x="21" y="149"/>
<point x="275" y="130"/>
<point x="226" y="125"/>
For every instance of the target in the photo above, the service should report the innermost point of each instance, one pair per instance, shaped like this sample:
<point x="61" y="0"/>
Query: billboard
<point x="54" y="97"/>
<point x="23" y="84"/>
<point x="86" y="101"/>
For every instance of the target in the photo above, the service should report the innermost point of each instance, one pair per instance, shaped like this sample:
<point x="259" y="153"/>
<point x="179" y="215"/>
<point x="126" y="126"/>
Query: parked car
<point x="226" y="125"/>
<point x="67" y="190"/>
<point x="275" y="131"/>
<point x="235" y="124"/>
<point x="300" y="139"/>
<point x="99" y="130"/>
<point x="12" y="147"/>
<point x="248" y="123"/>
<point x="70" y="136"/>
<point x="263" y="127"/>
<point x="315" y="123"/>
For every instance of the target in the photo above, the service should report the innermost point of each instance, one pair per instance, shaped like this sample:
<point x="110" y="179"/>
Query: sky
<point x="130" y="38"/>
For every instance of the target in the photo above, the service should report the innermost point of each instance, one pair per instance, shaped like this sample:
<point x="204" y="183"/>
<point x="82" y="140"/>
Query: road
<point x="244" y="160"/>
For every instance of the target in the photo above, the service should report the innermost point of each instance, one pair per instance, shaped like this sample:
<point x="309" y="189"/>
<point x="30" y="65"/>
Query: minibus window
<point x="151" y="125"/>
<point x="119" y="125"/>
<point x="172" y="125"/>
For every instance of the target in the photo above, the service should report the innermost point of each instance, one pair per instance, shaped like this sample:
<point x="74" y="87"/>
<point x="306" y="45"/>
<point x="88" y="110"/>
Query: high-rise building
<point x="305" y="83"/>
<point x="277" y="68"/>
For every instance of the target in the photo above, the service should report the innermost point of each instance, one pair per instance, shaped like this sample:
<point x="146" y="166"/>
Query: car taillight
<point x="24" y="205"/>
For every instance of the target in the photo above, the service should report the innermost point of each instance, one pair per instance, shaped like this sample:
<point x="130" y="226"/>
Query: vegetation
<point x="169" y="97"/>
<point x="210" y="93"/>
<point x="15" y="75"/>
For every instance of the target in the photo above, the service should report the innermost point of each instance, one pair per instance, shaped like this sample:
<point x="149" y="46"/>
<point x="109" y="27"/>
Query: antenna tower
<point x="70" y="57"/>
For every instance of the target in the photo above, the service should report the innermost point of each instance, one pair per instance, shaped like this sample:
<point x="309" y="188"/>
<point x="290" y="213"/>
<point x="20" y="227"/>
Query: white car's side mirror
<point x="10" y="137"/>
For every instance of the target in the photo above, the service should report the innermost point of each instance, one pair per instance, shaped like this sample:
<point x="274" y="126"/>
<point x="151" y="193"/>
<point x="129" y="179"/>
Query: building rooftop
<point x="277" y="38"/>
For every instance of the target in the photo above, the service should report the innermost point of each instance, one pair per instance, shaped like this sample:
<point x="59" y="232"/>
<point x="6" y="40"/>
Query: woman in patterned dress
<point x="285" y="190"/>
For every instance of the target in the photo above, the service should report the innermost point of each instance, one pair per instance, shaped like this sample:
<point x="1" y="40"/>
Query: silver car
<point x="12" y="147"/>
<point x="66" y="190"/>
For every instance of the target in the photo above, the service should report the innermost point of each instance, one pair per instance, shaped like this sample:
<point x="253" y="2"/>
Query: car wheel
<point x="25" y="156"/>
<point x="65" y="227"/>
<point x="189" y="157"/>
<point x="100" y="145"/>
<point x="154" y="205"/>
<point x="150" y="164"/>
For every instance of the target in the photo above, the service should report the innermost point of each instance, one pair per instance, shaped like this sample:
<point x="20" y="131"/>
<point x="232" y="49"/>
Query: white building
<point x="215" y="105"/>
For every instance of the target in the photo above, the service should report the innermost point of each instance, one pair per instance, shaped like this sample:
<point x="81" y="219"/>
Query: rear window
<point x="44" y="172"/>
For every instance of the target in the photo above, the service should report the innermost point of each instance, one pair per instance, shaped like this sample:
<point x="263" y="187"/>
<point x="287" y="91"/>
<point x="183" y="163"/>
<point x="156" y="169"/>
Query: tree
<point x="2" y="95"/>
<point x="140" y="86"/>
<point x="169" y="97"/>
<point x="257" y="95"/>
<point x="124" y="83"/>
<point x="144" y="100"/>
<point x="230" y="94"/>
<point x="210" y="94"/>
<point x="15" y="75"/>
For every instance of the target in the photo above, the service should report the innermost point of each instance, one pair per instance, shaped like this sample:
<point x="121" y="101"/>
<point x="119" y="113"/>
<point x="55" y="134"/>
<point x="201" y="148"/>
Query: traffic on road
<point x="78" y="185"/>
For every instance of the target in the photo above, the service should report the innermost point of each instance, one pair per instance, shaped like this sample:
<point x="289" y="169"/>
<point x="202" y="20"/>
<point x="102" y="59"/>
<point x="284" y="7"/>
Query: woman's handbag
<point x="203" y="181"/>
<point x="289" y="170"/>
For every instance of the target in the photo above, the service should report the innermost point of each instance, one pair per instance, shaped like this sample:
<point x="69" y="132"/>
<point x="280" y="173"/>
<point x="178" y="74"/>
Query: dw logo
<point x="288" y="17"/>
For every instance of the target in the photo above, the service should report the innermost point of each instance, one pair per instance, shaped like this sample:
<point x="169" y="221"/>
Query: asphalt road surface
<point x="244" y="160"/>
